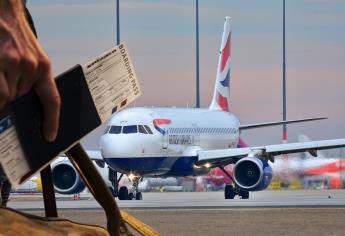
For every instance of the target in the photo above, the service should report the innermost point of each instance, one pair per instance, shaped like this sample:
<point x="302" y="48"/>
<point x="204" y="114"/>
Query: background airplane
<point x="33" y="185"/>
<point x="329" y="175"/>
<point x="322" y="171"/>
<point x="305" y="166"/>
<point x="164" y="142"/>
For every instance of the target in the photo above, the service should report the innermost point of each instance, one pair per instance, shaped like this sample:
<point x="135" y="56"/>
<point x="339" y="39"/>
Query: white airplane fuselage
<point x="171" y="150"/>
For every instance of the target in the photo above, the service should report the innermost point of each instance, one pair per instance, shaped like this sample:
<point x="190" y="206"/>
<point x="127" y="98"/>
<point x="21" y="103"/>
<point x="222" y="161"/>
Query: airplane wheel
<point x="244" y="194"/>
<point x="229" y="192"/>
<point x="123" y="193"/>
<point x="130" y="196"/>
<point x="139" y="196"/>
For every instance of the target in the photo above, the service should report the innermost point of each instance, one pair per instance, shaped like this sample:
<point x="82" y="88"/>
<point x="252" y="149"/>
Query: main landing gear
<point x="231" y="191"/>
<point x="123" y="193"/>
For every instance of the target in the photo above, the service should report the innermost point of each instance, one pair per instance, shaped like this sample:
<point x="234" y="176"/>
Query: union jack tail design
<point x="221" y="93"/>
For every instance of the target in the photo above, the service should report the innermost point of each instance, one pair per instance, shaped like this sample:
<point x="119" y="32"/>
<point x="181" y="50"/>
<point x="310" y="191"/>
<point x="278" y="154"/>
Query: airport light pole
<point x="117" y="22"/>
<point x="197" y="54"/>
<point x="284" y="81"/>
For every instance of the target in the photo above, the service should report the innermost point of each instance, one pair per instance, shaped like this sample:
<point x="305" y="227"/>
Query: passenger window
<point x="148" y="129"/>
<point x="130" y="129"/>
<point x="142" y="129"/>
<point x="115" y="129"/>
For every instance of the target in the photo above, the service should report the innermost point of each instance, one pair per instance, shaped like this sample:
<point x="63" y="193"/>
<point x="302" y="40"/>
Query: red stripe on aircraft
<point x="225" y="53"/>
<point x="222" y="102"/>
<point x="161" y="121"/>
<point x="241" y="143"/>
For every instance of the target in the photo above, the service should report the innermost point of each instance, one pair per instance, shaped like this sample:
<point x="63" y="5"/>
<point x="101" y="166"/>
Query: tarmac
<point x="283" y="212"/>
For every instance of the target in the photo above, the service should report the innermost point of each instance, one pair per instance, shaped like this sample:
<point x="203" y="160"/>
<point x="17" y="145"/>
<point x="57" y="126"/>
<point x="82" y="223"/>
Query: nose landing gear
<point x="133" y="193"/>
<point x="123" y="193"/>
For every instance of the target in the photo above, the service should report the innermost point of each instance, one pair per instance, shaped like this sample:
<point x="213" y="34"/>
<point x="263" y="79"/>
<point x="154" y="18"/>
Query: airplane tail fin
<point x="221" y="93"/>
<point x="303" y="138"/>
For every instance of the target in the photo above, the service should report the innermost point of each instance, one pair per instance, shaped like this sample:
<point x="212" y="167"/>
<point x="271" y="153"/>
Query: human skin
<point x="24" y="66"/>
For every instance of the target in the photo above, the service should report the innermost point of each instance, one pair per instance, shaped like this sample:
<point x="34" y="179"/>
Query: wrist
<point x="11" y="10"/>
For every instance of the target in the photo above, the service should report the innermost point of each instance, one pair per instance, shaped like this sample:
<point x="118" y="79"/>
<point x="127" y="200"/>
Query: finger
<point x="28" y="76"/>
<point x="12" y="78"/>
<point x="10" y="61"/>
<point x="4" y="92"/>
<point x="49" y="96"/>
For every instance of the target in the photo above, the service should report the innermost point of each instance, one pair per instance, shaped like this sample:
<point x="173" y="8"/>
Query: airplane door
<point x="196" y="134"/>
<point x="165" y="140"/>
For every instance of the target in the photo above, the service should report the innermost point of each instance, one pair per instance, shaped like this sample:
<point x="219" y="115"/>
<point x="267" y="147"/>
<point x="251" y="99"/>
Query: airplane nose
<point x="112" y="147"/>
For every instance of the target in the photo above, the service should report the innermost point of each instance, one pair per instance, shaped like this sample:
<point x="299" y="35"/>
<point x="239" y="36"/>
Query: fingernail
<point x="51" y="136"/>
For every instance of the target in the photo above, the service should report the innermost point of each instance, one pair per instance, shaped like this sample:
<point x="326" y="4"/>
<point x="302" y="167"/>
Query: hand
<point x="25" y="65"/>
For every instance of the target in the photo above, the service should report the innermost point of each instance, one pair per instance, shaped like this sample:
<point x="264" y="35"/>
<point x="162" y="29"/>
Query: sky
<point x="160" y="36"/>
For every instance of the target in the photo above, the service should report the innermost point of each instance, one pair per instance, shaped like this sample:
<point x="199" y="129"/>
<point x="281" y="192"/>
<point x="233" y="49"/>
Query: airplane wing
<point x="223" y="157"/>
<point x="94" y="155"/>
<point x="261" y="125"/>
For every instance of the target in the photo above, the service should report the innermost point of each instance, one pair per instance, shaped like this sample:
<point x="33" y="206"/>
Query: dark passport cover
<point x="78" y="117"/>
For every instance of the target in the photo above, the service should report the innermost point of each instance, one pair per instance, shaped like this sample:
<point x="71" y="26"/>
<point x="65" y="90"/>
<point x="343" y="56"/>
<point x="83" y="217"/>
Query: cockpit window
<point x="148" y="129"/>
<point x="130" y="129"/>
<point x="106" y="129"/>
<point x="115" y="129"/>
<point x="142" y="129"/>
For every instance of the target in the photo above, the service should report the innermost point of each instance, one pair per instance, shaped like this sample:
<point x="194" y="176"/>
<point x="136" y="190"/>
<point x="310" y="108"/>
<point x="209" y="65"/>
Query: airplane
<point x="328" y="171"/>
<point x="33" y="185"/>
<point x="164" y="142"/>
<point x="306" y="166"/>
<point x="331" y="175"/>
<point x="170" y="184"/>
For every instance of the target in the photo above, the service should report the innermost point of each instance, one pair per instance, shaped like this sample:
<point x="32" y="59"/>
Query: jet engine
<point x="252" y="173"/>
<point x="66" y="179"/>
